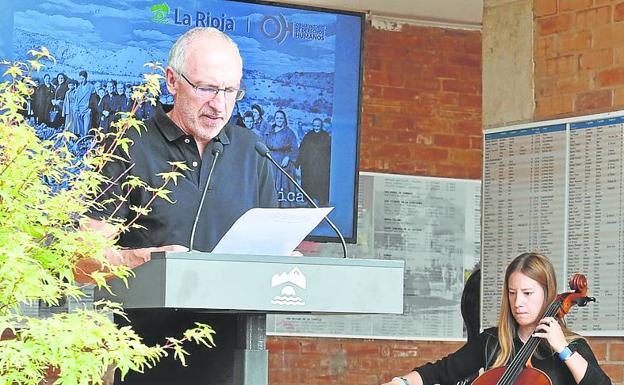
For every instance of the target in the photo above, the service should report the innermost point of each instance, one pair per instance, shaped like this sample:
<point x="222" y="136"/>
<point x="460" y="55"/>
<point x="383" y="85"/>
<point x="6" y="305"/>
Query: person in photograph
<point x="327" y="125"/>
<point x="529" y="287"/>
<point x="69" y="108"/>
<point x="260" y="124"/>
<point x="42" y="101"/>
<point x="126" y="99"/>
<point x="117" y="100"/>
<point x="82" y="105"/>
<point x="236" y="118"/>
<point x="108" y="106"/>
<point x="314" y="160"/>
<point x="57" y="118"/>
<point x="248" y="122"/>
<point x="97" y="107"/>
<point x="147" y="109"/>
<point x="282" y="142"/>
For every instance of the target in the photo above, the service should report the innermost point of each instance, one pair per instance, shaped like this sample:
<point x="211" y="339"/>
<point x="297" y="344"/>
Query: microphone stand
<point x="217" y="149"/>
<point x="265" y="152"/>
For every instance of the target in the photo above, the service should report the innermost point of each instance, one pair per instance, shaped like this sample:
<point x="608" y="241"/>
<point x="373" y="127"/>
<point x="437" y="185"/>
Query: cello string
<point x="518" y="362"/>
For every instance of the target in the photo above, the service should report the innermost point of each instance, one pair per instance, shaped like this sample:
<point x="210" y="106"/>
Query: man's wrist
<point x="401" y="380"/>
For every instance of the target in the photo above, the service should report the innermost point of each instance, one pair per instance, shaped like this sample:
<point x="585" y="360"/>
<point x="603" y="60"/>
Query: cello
<point x="519" y="371"/>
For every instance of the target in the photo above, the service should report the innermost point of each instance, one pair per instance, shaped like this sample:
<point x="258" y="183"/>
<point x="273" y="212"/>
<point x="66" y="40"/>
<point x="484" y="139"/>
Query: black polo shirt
<point x="241" y="180"/>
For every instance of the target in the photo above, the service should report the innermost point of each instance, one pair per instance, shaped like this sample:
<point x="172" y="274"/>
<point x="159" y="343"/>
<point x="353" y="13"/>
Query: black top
<point x="241" y="180"/>
<point x="481" y="352"/>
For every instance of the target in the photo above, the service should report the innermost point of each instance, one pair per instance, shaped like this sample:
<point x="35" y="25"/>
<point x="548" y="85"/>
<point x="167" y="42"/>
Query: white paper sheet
<point x="263" y="231"/>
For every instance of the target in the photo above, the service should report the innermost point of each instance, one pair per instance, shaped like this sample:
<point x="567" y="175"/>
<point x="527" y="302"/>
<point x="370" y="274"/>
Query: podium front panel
<point x="241" y="283"/>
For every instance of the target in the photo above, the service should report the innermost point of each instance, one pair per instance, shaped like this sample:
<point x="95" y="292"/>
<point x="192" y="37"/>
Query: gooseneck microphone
<point x="217" y="149"/>
<point x="264" y="151"/>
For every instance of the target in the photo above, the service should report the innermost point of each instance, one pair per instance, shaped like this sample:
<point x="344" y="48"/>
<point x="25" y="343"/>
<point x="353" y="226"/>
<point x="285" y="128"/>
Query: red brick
<point x="465" y="157"/>
<point x="442" y="70"/>
<point x="392" y="150"/>
<point x="572" y="85"/>
<point x="619" y="56"/>
<point x="546" y="87"/>
<point x="608" y="36"/>
<point x="544" y="7"/>
<point x="610" y="77"/>
<point x="573" y="41"/>
<point x="554" y="24"/>
<point x="380" y="78"/>
<point x="476" y="142"/>
<point x="614" y="371"/>
<point x="593" y="100"/>
<point x="461" y="85"/>
<point x="430" y="154"/>
<point x="373" y="64"/>
<point x="372" y="92"/>
<point x="451" y="141"/>
<point x="545" y="47"/>
<point x="616" y="351"/>
<point x="470" y="101"/>
<point x="430" y="84"/>
<point x="558" y="66"/>
<point x="448" y="98"/>
<point x="618" y="12"/>
<point x="382" y="107"/>
<point x="473" y="43"/>
<point x="398" y="93"/>
<point x="596" y="59"/>
<point x="554" y="106"/>
<point x="574" y="5"/>
<point x="592" y="17"/>
<point x="618" y="97"/>
<point x="463" y="59"/>
<point x="283" y="344"/>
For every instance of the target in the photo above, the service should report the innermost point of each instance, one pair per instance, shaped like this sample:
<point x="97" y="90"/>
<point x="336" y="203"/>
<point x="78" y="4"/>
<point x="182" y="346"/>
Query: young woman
<point x="260" y="125"/>
<point x="282" y="142"/>
<point x="530" y="286"/>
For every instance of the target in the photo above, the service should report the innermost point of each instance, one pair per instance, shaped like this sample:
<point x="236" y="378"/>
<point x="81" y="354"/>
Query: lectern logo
<point x="288" y="296"/>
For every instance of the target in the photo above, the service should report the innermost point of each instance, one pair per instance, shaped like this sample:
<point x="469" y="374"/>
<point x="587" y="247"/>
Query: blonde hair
<point x="538" y="268"/>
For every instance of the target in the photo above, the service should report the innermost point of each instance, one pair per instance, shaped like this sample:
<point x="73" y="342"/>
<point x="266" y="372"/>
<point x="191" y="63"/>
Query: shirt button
<point x="187" y="140"/>
<point x="194" y="164"/>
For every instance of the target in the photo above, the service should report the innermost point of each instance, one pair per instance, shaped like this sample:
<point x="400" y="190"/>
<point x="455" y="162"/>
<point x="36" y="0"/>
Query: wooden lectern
<point x="252" y="286"/>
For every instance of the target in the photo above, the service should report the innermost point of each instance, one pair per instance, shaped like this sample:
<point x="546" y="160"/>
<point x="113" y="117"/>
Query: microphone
<point x="264" y="151"/>
<point x="217" y="149"/>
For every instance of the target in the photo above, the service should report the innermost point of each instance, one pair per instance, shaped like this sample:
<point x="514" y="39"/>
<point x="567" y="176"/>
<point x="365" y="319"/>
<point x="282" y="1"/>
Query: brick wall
<point x="579" y="57"/>
<point x="421" y="112"/>
<point x="421" y="115"/>
<point x="579" y="69"/>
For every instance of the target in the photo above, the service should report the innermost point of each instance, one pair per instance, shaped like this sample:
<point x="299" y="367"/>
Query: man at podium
<point x="226" y="177"/>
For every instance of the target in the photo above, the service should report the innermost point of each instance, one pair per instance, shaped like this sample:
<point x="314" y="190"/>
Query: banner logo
<point x="160" y="13"/>
<point x="278" y="28"/>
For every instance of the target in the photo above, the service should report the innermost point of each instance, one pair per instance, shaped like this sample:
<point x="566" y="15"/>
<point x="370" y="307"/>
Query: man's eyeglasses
<point x="209" y="93"/>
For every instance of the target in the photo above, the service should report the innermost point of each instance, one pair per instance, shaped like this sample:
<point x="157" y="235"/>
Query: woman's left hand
<point x="285" y="161"/>
<point x="549" y="329"/>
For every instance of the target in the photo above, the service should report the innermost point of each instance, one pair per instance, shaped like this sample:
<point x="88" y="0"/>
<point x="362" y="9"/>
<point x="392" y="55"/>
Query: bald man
<point x="204" y="76"/>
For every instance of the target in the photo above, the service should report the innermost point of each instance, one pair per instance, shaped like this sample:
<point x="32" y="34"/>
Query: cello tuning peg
<point x="584" y="301"/>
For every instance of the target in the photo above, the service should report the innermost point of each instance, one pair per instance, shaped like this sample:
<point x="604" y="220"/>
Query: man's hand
<point x="136" y="257"/>
<point x="128" y="257"/>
